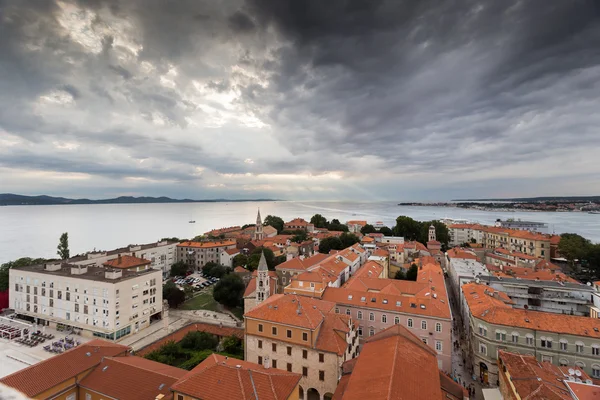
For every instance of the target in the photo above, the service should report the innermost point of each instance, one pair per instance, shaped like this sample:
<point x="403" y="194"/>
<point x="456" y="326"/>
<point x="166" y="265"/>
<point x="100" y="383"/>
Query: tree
<point x="407" y="228"/>
<point x="411" y="274"/>
<point x="400" y="275"/>
<point x="348" y="239"/>
<point x="300" y="237"/>
<point x="232" y="345"/>
<point x="593" y="258"/>
<point x="442" y="234"/>
<point x="219" y="271"/>
<point x="197" y="340"/>
<point x="386" y="231"/>
<point x="179" y="269"/>
<point x="319" y="221"/>
<point x="63" y="246"/>
<point x="229" y="291"/>
<point x="247" y="226"/>
<point x="173" y="295"/>
<point x="240" y="260"/>
<point x="171" y="239"/>
<point x="330" y="243"/>
<point x="336" y="226"/>
<point x="473" y="240"/>
<point x="573" y="247"/>
<point x="368" y="228"/>
<point x="206" y="268"/>
<point x="275" y="222"/>
<point x="20" y="262"/>
<point x="255" y="258"/>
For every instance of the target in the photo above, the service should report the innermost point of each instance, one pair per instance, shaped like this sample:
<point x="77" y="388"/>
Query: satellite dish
<point x="577" y="372"/>
<point x="589" y="283"/>
<point x="571" y="371"/>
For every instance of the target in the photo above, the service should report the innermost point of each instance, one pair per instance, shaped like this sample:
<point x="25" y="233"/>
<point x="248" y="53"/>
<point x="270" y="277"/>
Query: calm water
<point x="33" y="231"/>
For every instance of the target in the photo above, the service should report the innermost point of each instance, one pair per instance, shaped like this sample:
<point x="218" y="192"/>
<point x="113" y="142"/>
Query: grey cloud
<point x="240" y="22"/>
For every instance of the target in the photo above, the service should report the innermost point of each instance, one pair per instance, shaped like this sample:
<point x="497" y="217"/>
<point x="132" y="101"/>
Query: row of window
<point x="289" y="351"/>
<point x="288" y="334"/>
<point x="384" y="318"/>
<point x="289" y="368"/>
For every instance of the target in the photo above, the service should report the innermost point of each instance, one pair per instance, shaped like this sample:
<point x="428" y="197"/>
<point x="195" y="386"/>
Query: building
<point x="221" y="233"/>
<point x="196" y="254"/>
<point x="121" y="297"/>
<point x="542" y="290"/>
<point x="392" y="239"/>
<point x="395" y="364"/>
<point x="525" y="377"/>
<point x="422" y="306"/>
<point x="311" y="283"/>
<point x="495" y="325"/>
<point x="465" y="233"/>
<point x="219" y="377"/>
<point x="160" y="254"/>
<point x="355" y="226"/>
<point x="462" y="266"/>
<point x="286" y="270"/>
<point x="262" y="285"/>
<point x="539" y="227"/>
<point x="302" y="335"/>
<point x="382" y="257"/>
<point x="227" y="256"/>
<point x="529" y="243"/>
<point x="298" y="224"/>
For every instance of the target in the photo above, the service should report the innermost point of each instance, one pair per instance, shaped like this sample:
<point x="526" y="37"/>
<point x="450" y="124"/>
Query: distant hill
<point x="9" y="199"/>
<point x="562" y="199"/>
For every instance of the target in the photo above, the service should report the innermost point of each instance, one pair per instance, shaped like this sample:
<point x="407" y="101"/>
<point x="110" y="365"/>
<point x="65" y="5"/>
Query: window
<point x="596" y="371"/>
<point x="424" y="340"/>
<point x="337" y="310"/>
<point x="371" y="331"/>
<point x="321" y="375"/>
<point x="347" y="311"/>
<point x="595" y="350"/>
<point x="274" y="331"/>
<point x="260" y="327"/>
<point x="260" y="344"/>
<point x="529" y="340"/>
<point x="259" y="360"/>
<point x="274" y="364"/>
<point x="501" y="336"/>
<point x="547" y="343"/>
<point x="483" y="349"/>
<point x="289" y="367"/>
<point x="564" y="346"/>
<point x="546" y="358"/>
<point x="578" y="347"/>
<point x="438" y="327"/>
<point x="515" y="338"/>
<point x="438" y="345"/>
<point x="305" y="336"/>
<point x="304" y="371"/>
<point x="396" y="320"/>
<point x="289" y="333"/>
<point x="409" y="323"/>
<point x="563" y="363"/>
<point x="360" y="331"/>
<point x="321" y="357"/>
<point x="289" y="351"/>
<point x="423" y="324"/>
<point x="359" y="315"/>
<point x="274" y="347"/>
<point x="179" y="397"/>
<point x="88" y="396"/>
<point x="384" y="319"/>
<point x="371" y="317"/>
<point x="305" y="354"/>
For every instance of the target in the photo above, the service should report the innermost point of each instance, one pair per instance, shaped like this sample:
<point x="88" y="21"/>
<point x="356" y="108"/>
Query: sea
<point x="33" y="231"/>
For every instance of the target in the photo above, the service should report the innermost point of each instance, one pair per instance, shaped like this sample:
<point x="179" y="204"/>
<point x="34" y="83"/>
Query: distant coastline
<point x="9" y="199"/>
<point x="589" y="204"/>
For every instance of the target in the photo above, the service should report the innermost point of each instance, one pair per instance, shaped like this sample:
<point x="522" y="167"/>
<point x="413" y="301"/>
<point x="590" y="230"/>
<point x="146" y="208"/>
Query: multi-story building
<point x="422" y="306"/>
<point x="197" y="254"/>
<point x="540" y="227"/>
<point x="542" y="291"/>
<point x="495" y="325"/>
<point x="465" y="233"/>
<point x="160" y="254"/>
<point x="119" y="298"/>
<point x="395" y="364"/>
<point x="303" y="335"/>
<point x="462" y="266"/>
<point x="355" y="226"/>
<point x="528" y="243"/>
<point x="298" y="224"/>
<point x="295" y="266"/>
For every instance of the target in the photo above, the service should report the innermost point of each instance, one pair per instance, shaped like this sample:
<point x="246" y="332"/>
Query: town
<point x="312" y="309"/>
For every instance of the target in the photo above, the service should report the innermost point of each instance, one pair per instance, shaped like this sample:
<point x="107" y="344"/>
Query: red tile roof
<point x="232" y="251"/>
<point x="370" y="269"/>
<point x="220" y="377"/>
<point x="393" y="364"/>
<point x="207" y="245"/>
<point x="125" y="261"/>
<point x="584" y="391"/>
<point x="240" y="269"/>
<point x="131" y="380"/>
<point x="461" y="253"/>
<point x="281" y="308"/>
<point x="356" y="222"/>
<point x="47" y="374"/>
<point x="530" y="273"/>
<point x="295" y="264"/>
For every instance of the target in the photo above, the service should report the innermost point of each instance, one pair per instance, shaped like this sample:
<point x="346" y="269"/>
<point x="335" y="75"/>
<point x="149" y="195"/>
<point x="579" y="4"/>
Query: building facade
<point x="196" y="254"/>
<point x="110" y="302"/>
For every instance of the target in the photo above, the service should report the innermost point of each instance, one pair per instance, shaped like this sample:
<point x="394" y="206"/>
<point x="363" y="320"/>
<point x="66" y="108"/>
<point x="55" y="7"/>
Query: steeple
<point x="262" y="263"/>
<point x="258" y="219"/>
<point x="258" y="229"/>
<point x="263" y="283"/>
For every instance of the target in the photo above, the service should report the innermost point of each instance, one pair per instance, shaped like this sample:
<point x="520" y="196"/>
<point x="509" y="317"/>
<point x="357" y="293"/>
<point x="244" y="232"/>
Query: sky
<point x="300" y="99"/>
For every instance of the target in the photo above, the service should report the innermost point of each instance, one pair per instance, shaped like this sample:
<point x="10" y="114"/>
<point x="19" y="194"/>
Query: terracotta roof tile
<point x="232" y="251"/>
<point x="370" y="269"/>
<point x="125" y="261"/>
<point x="219" y="377"/>
<point x="283" y="309"/>
<point x="356" y="222"/>
<point x="332" y="334"/>
<point x="295" y="264"/>
<point x="206" y="245"/>
<point x="46" y="374"/>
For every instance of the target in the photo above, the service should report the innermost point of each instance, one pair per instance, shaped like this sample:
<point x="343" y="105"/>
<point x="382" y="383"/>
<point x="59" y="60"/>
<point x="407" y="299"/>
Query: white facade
<point x="103" y="302"/>
<point x="461" y="271"/>
<point x="392" y="239"/>
<point x="161" y="254"/>
<point x="463" y="234"/>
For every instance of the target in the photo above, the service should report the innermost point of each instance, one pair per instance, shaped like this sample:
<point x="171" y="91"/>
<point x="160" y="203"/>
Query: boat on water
<point x="191" y="221"/>
<point x="593" y="212"/>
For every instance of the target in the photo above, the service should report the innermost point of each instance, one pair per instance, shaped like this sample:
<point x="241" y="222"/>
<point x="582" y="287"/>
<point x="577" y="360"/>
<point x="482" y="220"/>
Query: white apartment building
<point x="393" y="239"/>
<point x="160" y="254"/>
<point x="197" y="254"/>
<point x="112" y="301"/>
<point x="461" y="271"/>
<point x="464" y="233"/>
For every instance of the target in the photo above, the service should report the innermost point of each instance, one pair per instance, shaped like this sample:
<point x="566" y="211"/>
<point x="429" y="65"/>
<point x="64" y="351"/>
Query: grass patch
<point x="203" y="301"/>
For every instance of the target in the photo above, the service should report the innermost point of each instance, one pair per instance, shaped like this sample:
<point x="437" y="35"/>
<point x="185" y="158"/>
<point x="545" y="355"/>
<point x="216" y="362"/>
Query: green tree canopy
<point x="196" y="340"/>
<point x="386" y="231"/>
<point x="171" y="239"/>
<point x="179" y="269"/>
<point x="173" y="295"/>
<point x="319" y="221"/>
<point x="207" y="267"/>
<point x="255" y="258"/>
<point x="299" y="237"/>
<point x="63" y="246"/>
<point x="247" y="226"/>
<point x="573" y="247"/>
<point x="275" y="222"/>
<point x="337" y="226"/>
<point x="407" y="228"/>
<point x="232" y="345"/>
<point x="368" y="228"/>
<point x="400" y="275"/>
<point x="442" y="234"/>
<point x="330" y="243"/>
<point x="411" y="274"/>
<point x="229" y="291"/>
<point x="348" y="239"/>
<point x="240" y="260"/>
<point x="219" y="271"/>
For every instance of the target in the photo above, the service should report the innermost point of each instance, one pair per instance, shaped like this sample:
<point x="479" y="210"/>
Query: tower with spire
<point x="258" y="231"/>
<point x="432" y="233"/>
<point x="263" y="289"/>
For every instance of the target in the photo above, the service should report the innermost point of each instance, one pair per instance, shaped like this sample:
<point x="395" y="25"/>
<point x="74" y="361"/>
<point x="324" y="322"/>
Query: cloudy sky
<point x="293" y="99"/>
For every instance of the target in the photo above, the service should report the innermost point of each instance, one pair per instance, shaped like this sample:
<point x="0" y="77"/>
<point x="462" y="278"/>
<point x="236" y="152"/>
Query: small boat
<point x="593" y="212"/>
<point x="191" y="221"/>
